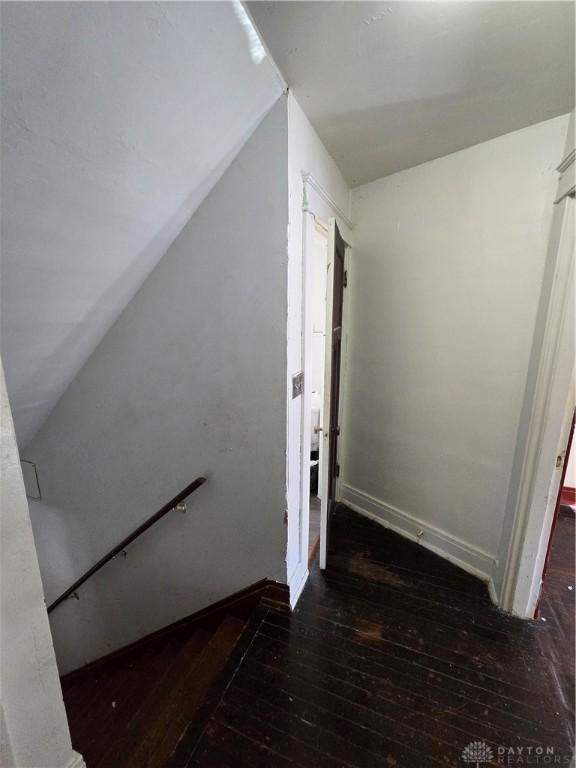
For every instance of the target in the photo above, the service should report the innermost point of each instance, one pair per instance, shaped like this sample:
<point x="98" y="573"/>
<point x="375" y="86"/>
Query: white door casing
<point x="325" y="435"/>
<point x="548" y="413"/>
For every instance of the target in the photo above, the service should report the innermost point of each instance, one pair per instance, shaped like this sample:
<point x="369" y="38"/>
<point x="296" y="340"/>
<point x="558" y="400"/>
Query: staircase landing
<point x="393" y="657"/>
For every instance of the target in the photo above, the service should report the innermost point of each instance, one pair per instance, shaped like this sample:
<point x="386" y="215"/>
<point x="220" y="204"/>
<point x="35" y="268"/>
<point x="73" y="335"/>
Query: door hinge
<point x="337" y="470"/>
<point x="559" y="461"/>
<point x="345" y="278"/>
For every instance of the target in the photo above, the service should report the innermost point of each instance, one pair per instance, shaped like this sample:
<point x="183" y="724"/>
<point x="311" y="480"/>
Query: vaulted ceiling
<point x="389" y="85"/>
<point x="117" y="119"/>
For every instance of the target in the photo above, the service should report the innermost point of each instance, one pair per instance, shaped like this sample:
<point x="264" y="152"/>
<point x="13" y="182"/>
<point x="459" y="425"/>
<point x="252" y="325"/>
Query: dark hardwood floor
<point x="131" y="711"/>
<point x="394" y="657"/>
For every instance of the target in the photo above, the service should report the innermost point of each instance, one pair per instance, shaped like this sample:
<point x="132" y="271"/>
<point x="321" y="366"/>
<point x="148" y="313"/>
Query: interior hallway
<point x="393" y="657"/>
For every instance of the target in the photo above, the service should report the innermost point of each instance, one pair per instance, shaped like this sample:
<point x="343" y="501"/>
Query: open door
<point x="565" y="458"/>
<point x="330" y="429"/>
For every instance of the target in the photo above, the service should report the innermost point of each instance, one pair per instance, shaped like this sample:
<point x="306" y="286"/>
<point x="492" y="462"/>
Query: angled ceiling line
<point x="275" y="67"/>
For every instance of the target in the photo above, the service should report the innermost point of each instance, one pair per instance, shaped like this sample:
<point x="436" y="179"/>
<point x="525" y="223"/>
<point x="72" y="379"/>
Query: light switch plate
<point x="297" y="384"/>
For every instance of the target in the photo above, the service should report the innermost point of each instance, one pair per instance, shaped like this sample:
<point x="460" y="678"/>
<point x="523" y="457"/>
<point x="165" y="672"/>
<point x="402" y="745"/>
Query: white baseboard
<point x="297" y="583"/>
<point x="76" y="761"/>
<point x="492" y="591"/>
<point x="466" y="556"/>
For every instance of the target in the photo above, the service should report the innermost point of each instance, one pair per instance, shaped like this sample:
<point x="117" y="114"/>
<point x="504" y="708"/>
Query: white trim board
<point x="527" y="506"/>
<point x="309" y="179"/>
<point x="492" y="592"/>
<point x="76" y="761"/>
<point x="531" y="526"/>
<point x="297" y="583"/>
<point x="466" y="556"/>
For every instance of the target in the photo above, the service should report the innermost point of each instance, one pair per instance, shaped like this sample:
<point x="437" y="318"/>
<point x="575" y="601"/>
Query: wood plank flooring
<point x="394" y="657"/>
<point x="131" y="709"/>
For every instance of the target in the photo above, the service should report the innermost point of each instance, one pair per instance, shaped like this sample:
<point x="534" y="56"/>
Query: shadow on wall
<point x="175" y="390"/>
<point x="116" y="123"/>
<point x="75" y="346"/>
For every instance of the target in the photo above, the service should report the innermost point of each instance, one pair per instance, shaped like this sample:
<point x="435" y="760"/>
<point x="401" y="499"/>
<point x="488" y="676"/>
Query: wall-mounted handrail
<point x="128" y="540"/>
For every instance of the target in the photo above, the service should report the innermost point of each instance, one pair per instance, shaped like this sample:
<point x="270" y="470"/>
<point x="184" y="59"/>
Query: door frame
<point x="558" y="504"/>
<point x="548" y="410"/>
<point x="330" y="459"/>
<point x="317" y="205"/>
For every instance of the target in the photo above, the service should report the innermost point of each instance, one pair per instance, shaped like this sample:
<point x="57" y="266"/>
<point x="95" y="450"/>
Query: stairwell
<point x="134" y="707"/>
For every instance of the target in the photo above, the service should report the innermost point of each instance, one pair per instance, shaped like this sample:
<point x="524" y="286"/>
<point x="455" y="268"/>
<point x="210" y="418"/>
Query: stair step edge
<point x="144" y="717"/>
<point x="183" y="702"/>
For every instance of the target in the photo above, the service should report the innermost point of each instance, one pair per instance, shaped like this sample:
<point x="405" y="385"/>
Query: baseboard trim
<point x="466" y="556"/>
<point x="492" y="592"/>
<point x="297" y="583"/>
<point x="76" y="761"/>
<point x="240" y="604"/>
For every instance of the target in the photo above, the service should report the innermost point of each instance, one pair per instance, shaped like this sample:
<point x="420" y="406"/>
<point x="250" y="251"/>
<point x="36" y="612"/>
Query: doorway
<point x="317" y="259"/>
<point x="556" y="603"/>
<point x="550" y="410"/>
<point x="325" y="254"/>
<point x="558" y="572"/>
<point x="335" y="282"/>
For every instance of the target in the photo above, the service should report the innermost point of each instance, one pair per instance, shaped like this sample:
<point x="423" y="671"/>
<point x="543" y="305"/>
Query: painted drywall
<point x="447" y="272"/>
<point x="117" y="120"/>
<point x="34" y="729"/>
<point x="388" y="86"/>
<point x="306" y="154"/>
<point x="191" y="380"/>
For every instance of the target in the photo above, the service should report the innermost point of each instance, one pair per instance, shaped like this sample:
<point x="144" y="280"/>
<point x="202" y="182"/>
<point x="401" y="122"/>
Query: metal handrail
<point x="128" y="540"/>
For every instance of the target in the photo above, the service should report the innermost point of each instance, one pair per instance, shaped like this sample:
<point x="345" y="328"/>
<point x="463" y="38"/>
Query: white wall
<point x="117" y="120"/>
<point x="33" y="726"/>
<point x="306" y="154"/>
<point x="447" y="272"/>
<point x="190" y="380"/>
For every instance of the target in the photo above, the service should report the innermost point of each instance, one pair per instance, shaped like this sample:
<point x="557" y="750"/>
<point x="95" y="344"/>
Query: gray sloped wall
<point x="190" y="380"/>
